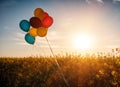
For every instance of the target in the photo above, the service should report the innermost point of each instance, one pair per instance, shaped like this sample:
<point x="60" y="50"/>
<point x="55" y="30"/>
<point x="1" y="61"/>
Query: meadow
<point x="79" y="71"/>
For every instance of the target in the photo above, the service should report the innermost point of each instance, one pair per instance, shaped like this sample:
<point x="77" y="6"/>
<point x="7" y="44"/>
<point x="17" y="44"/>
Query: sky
<point x="98" y="19"/>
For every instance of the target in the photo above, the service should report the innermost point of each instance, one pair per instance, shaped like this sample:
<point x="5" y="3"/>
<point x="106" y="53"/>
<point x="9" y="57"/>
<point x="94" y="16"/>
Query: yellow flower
<point x="118" y="61"/>
<point x="97" y="76"/>
<point x="114" y="73"/>
<point x="101" y="72"/>
<point x="20" y="74"/>
<point x="91" y="82"/>
<point x="114" y="83"/>
<point x="105" y="64"/>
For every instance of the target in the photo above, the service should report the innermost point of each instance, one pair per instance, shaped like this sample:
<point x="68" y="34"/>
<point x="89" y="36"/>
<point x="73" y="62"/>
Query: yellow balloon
<point x="38" y="12"/>
<point x="42" y="31"/>
<point x="33" y="32"/>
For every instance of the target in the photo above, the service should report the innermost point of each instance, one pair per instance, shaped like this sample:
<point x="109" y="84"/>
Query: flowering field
<point x="79" y="71"/>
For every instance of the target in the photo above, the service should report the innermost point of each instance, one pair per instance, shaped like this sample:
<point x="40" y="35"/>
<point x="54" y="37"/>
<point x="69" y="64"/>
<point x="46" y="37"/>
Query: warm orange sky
<point x="78" y="25"/>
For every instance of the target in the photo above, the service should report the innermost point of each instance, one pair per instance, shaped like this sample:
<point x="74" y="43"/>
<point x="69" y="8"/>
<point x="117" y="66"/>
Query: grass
<point x="79" y="71"/>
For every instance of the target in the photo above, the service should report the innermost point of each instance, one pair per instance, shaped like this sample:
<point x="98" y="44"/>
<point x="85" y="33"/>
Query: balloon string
<point x="66" y="82"/>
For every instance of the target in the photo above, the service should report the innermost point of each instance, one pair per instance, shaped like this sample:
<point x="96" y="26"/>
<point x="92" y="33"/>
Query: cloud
<point x="88" y="1"/>
<point x="6" y="3"/>
<point x="39" y="42"/>
<point x="20" y="35"/>
<point x="18" y="38"/>
<point x="106" y="3"/>
<point x="116" y="0"/>
<point x="22" y="43"/>
<point x="95" y="1"/>
<point x="101" y="1"/>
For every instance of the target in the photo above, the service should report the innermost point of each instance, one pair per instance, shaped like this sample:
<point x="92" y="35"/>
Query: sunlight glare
<point x="82" y="41"/>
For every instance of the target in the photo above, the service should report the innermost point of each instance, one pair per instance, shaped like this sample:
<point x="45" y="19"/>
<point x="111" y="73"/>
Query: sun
<point x="82" y="41"/>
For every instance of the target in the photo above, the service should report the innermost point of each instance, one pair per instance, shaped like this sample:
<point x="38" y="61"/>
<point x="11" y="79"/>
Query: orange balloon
<point x="42" y="31"/>
<point x="38" y="12"/>
<point x="33" y="32"/>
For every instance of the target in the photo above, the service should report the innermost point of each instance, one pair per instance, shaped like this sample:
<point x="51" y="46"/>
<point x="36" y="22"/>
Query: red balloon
<point x="45" y="15"/>
<point x="35" y="22"/>
<point x="47" y="21"/>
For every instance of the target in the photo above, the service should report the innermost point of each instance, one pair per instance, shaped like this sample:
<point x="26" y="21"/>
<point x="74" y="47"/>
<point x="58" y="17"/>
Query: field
<point x="88" y="71"/>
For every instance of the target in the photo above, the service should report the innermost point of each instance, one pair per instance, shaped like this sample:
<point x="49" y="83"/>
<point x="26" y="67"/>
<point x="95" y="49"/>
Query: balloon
<point x="45" y="15"/>
<point x="33" y="32"/>
<point x="38" y="12"/>
<point x="47" y="22"/>
<point x="24" y="25"/>
<point x="39" y="25"/>
<point x="35" y="22"/>
<point x="42" y="31"/>
<point x="29" y="39"/>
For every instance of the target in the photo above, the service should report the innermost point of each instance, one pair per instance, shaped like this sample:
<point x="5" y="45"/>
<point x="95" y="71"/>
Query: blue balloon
<point x="29" y="39"/>
<point x="24" y="25"/>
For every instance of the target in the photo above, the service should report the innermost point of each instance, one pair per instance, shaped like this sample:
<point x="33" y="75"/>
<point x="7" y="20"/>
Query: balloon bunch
<point x="36" y="26"/>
